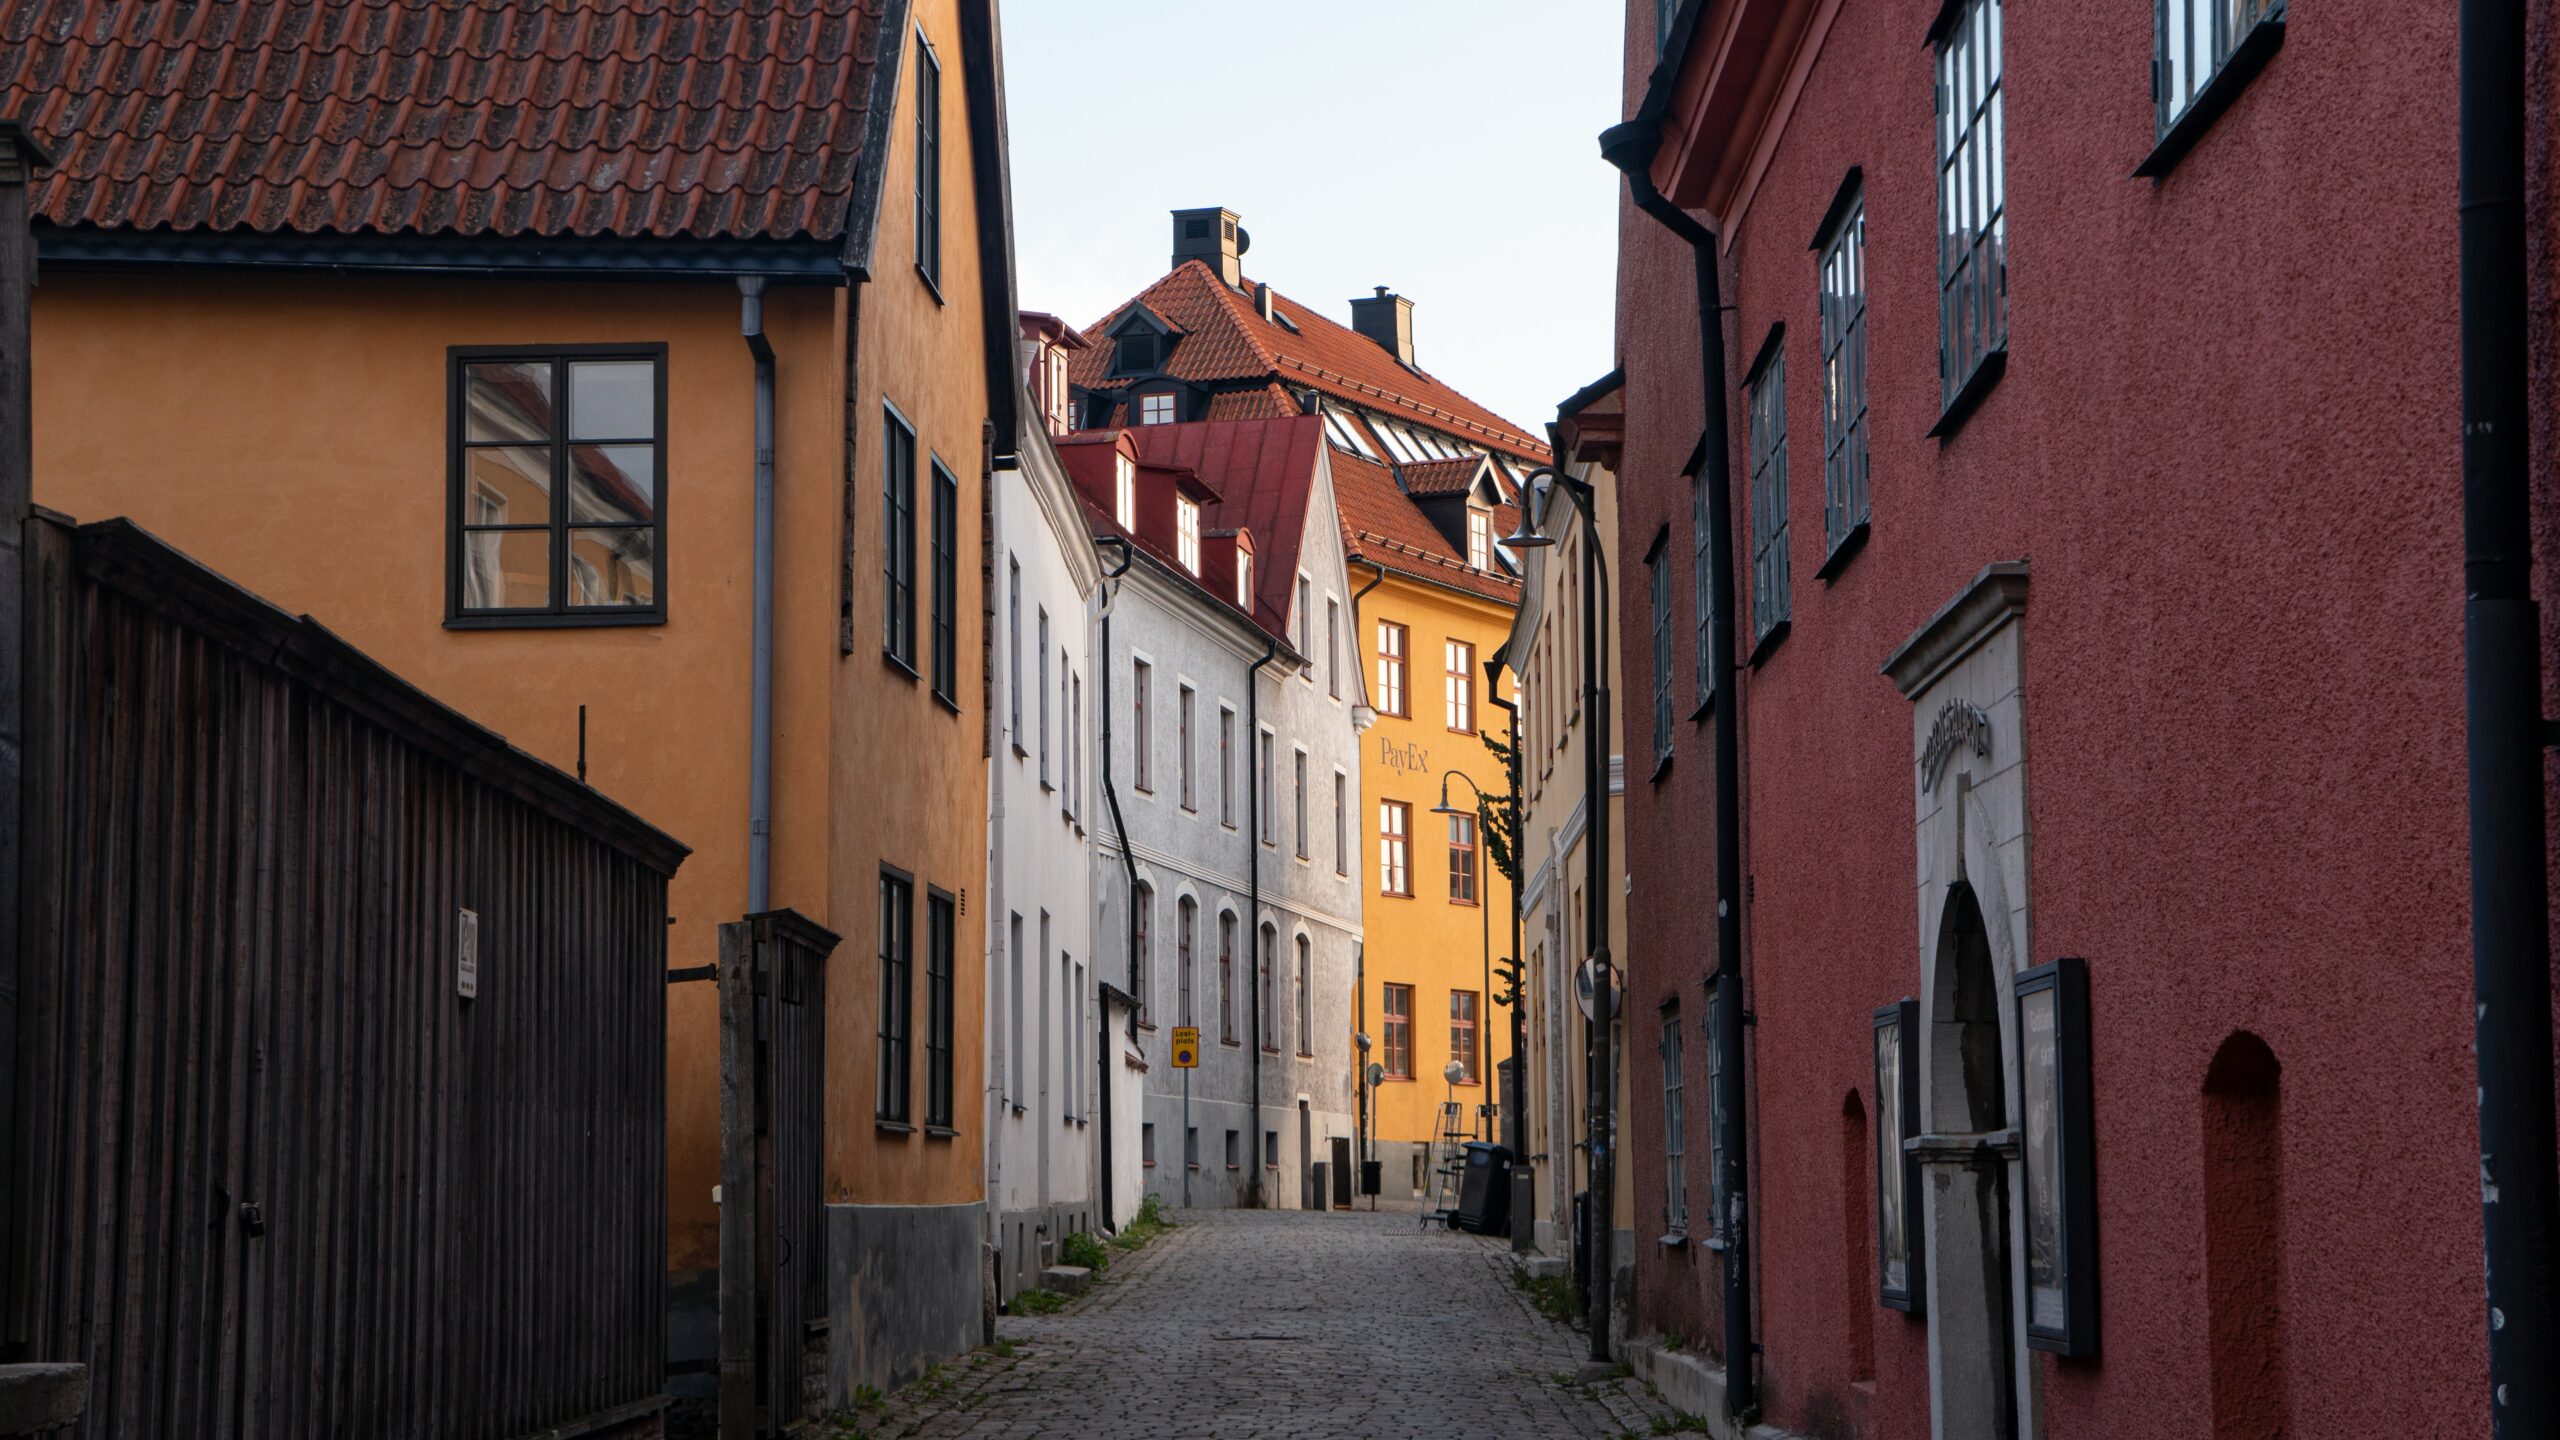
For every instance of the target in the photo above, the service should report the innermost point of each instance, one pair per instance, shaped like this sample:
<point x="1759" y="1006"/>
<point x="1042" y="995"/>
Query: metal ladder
<point x="1448" y="1164"/>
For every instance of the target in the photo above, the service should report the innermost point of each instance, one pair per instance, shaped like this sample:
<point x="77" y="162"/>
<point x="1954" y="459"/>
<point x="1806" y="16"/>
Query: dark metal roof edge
<point x="85" y="246"/>
<point x="1673" y="59"/>
<point x="1582" y="399"/>
<point x="137" y="563"/>
<point x="862" y="224"/>
<point x="982" y="69"/>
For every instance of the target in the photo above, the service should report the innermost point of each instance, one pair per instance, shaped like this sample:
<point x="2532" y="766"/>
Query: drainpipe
<point x="1254" y="1198"/>
<point x="1630" y="148"/>
<point x="2502" y="635"/>
<point x="760" y="763"/>
<point x="1514" y="1119"/>
<point x="1128" y="865"/>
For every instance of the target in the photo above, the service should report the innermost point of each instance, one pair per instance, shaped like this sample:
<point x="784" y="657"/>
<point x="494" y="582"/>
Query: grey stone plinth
<point x="1067" y="1279"/>
<point x="40" y="1399"/>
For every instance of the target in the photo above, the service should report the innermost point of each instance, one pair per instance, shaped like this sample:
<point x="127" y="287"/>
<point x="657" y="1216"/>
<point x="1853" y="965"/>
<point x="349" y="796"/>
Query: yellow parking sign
<point x="1186" y="1047"/>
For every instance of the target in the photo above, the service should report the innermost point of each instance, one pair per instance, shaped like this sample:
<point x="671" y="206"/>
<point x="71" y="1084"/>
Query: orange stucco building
<point x="451" y="358"/>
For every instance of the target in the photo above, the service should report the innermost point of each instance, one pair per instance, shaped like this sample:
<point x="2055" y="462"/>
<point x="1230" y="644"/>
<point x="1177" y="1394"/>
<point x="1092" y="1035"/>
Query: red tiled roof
<point x="1443" y="477"/>
<point x="1268" y="403"/>
<point x="701" y="119"/>
<point x="1381" y="527"/>
<point x="1088" y="457"/>
<point x="1265" y="474"/>
<point x="1228" y="340"/>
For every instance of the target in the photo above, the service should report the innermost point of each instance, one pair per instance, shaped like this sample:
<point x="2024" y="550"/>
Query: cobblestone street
<point x="1241" y="1324"/>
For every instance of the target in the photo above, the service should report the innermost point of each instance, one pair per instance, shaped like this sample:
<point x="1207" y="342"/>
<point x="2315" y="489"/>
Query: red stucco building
<point x="2094" y="457"/>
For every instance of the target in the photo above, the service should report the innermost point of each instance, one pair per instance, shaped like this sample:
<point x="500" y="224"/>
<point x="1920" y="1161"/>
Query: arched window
<point x="1145" y="907"/>
<point x="2244" y="1239"/>
<point x="1183" y="935"/>
<point x="1227" y="976"/>
<point x="1270" y="994"/>
<point x="1306" y="1014"/>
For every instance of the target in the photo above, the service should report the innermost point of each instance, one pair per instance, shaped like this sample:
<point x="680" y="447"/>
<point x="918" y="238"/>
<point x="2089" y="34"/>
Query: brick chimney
<point x="1211" y="235"/>
<point x="1387" y="319"/>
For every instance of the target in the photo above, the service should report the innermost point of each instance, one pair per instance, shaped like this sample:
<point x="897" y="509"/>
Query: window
<point x="1391" y="658"/>
<point x="1140" y="675"/>
<point x="1333" y="648"/>
<point x="1155" y="409"/>
<point x="1137" y="351"/>
<point x="1462" y="859"/>
<point x="1227" y="976"/>
<point x="1043" y="696"/>
<point x="1185" y="704"/>
<point x="2197" y="39"/>
<point x="946" y="586"/>
<point x="1658" y="569"/>
<point x="1398" y="1013"/>
<point x="1973" y="231"/>
<point x="1664" y="13"/>
<point x="1235" y="1150"/>
<point x="1074" y="701"/>
<point x="1271" y="1149"/>
<point x="1186" y="525"/>
<point x="1226" y="767"/>
<point x="1341" y="824"/>
<point x="928" y="161"/>
<point x="1270" y="994"/>
<point x="1013" y="623"/>
<point x="1844" y="379"/>
<point x="1185" y="931"/>
<point x="898" y="540"/>
<point x="1480" y="539"/>
<point x="1124" y="492"/>
<point x="1395" y="832"/>
<point x="897" y="937"/>
<point x="940" y="926"/>
<point x="1144" y="908"/>
<point x="1307" y="624"/>
<point x="1301" y="795"/>
<point x="1191" y="1146"/>
<point x="1700" y="532"/>
<point x="1715" y="1112"/>
<point x="1346" y="435"/>
<point x="1068" y="1034"/>
<point x="1771" y="602"/>
<point x="1080" y="1083"/>
<point x="1014" y="981"/>
<point x="1459" y="687"/>
<point x="1675" y="1179"/>
<point x="554" y="488"/>
<point x="1147" y="1144"/>
<point x="1270" y="808"/>
<point x="1244" y="579"/>
<point x="1462" y="1033"/>
<point x="1306" y="1014"/>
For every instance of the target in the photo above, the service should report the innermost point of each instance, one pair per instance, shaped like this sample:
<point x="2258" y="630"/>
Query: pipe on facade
<point x="1129" y="869"/>
<point x="760" y="726"/>
<point x="2502" y="639"/>
<point x="1630" y="148"/>
<point x="1254" y="1198"/>
<point x="1515" y="1127"/>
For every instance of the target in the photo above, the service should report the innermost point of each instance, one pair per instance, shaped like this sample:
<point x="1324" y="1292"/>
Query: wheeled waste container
<point x="1484" y="1190"/>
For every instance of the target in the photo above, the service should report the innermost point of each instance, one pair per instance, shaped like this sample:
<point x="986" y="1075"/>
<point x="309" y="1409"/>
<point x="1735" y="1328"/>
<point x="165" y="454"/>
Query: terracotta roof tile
<point x="702" y="119"/>
<point x="1381" y="527"/>
<point x="1442" y="477"/>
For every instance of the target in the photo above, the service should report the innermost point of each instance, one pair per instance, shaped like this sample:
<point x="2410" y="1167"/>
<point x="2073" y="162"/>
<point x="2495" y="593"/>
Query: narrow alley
<point x="1240" y="1324"/>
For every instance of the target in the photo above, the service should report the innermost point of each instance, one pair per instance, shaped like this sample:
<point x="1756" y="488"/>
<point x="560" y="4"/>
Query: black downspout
<point x="1630" y="148"/>
<point x="1515" y="1119"/>
<point x="1128" y="865"/>
<point x="1598" y="743"/>
<point x="2502" y="632"/>
<point x="1254" y="1198"/>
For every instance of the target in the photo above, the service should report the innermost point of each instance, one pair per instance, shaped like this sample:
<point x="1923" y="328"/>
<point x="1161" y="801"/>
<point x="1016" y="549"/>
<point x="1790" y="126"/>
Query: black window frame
<point x="892" y="1081"/>
<point x="1970" y="363"/>
<point x="946" y="584"/>
<point x="942" y="925"/>
<point x="928" y="163"/>
<point x="1772" y="577"/>
<point x="558" y="613"/>
<point x="1657" y="565"/>
<point x="2236" y="58"/>
<point x="1701" y="558"/>
<point x="898" y="539"/>
<point x="1840" y="269"/>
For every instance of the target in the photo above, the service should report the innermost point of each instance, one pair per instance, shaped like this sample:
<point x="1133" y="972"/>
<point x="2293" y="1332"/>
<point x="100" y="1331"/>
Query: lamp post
<point x="1484" y="915"/>
<point x="1599" y="1102"/>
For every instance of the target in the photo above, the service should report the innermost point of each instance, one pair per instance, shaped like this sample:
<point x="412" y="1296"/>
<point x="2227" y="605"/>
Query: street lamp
<point x="1484" y="916"/>
<point x="1601" y="1068"/>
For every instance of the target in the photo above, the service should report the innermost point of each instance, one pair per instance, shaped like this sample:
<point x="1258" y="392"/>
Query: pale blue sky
<point x="1444" y="148"/>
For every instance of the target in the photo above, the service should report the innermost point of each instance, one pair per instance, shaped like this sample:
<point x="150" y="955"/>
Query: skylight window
<point x="1124" y="498"/>
<point x="1346" y="435"/>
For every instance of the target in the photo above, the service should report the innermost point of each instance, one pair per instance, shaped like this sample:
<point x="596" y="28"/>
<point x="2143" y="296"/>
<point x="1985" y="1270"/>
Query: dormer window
<point x="1244" y="580"/>
<point x="1479" y="539"/>
<point x="1186" y="527"/>
<point x="1124" y="493"/>
<point x="1155" y="409"/>
<point x="1138" y="353"/>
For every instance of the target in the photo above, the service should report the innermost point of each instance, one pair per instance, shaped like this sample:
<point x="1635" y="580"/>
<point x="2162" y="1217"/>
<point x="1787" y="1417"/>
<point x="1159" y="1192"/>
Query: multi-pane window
<point x="928" y="161"/>
<point x="554" y="487"/>
<point x="1341" y="824"/>
<point x="1141" y="677"/>
<point x="1226" y="766"/>
<point x="1307" y="626"/>
<point x="1391" y="664"/>
<point x="1068" y="1033"/>
<point x="1703" y="577"/>
<point x="1333" y="648"/>
<point x="1185" y="932"/>
<point x="1075" y="739"/>
<point x="1042" y="696"/>
<point x="1462" y="859"/>
<point x="1306" y="999"/>
<point x="1480" y="539"/>
<point x="1658" y="568"/>
<point x="1155" y="409"/>
<point x="1462" y="1033"/>
<point x="1664" y="12"/>
<point x="1973" y="260"/>
<point x="2196" y="37"/>
<point x="1395" y="839"/>
<point x="1244" y="580"/>
<point x="1301" y="796"/>
<point x="1270" y="993"/>
<point x="1186" y="703"/>
<point x="1844" y="378"/>
<point x="1270" y="826"/>
<point x="940" y="929"/>
<point x="1186" y="534"/>
<point x="946" y="584"/>
<point x="1020" y="1007"/>
<point x="1013" y="623"/>
<point x="1398" y="1013"/>
<point x="1124" y="492"/>
<point x="1144" y="908"/>
<point x="898" y="540"/>
<point x="1227" y="976"/>
<point x="1458" y="685"/>
<point x="1675" y="1179"/>
<point x="897" y="957"/>
<point x="1716" y="1195"/>
<point x="1771" y="599"/>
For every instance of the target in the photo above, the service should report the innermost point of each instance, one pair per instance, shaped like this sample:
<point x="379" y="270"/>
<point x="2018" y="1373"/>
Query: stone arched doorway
<point x="1970" y="1155"/>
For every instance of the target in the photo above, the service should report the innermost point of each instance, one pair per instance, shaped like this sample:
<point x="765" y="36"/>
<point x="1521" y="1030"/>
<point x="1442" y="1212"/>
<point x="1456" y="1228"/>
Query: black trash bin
<point x="1484" y="1191"/>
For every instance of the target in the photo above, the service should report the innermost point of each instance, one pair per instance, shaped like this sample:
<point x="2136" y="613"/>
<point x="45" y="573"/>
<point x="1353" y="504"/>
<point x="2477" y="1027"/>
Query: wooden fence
<point x="341" y="1037"/>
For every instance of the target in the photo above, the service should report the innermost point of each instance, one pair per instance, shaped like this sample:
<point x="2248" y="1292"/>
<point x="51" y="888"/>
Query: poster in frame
<point x="2057" y="1158"/>
<point x="1901" y="1273"/>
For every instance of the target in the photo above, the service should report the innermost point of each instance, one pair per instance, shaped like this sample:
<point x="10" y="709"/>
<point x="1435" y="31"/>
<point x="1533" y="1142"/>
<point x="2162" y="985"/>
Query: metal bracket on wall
<point x="2551" y="734"/>
<point x="693" y="972"/>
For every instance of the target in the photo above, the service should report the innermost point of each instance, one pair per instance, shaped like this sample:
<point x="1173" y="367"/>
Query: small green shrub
<point x="1149" y="1224"/>
<point x="1038" y="1302"/>
<point x="1083" y="1250"/>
